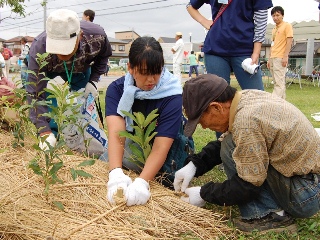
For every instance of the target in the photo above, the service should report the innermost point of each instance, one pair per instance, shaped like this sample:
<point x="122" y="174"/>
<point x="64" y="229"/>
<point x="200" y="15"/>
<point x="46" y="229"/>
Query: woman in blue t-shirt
<point x="236" y="32"/>
<point x="147" y="86"/>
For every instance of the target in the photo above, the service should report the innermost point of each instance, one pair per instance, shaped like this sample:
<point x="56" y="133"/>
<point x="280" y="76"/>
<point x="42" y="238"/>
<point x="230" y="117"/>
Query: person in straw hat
<point x="270" y="152"/>
<point x="79" y="52"/>
<point x="177" y="51"/>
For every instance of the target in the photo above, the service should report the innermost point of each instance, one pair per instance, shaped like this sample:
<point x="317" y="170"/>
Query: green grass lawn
<point x="307" y="100"/>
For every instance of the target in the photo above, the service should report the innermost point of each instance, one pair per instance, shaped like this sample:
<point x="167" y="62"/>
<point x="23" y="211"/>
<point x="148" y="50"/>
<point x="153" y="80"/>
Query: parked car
<point x="113" y="64"/>
<point x="123" y="63"/>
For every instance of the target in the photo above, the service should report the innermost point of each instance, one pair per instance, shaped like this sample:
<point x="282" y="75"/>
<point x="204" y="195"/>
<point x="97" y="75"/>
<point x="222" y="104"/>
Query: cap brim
<point x="190" y="127"/>
<point x="63" y="47"/>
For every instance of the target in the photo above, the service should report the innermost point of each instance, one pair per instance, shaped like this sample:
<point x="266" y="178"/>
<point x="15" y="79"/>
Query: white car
<point x="123" y="63"/>
<point x="113" y="64"/>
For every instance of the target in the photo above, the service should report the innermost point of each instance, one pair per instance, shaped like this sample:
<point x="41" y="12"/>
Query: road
<point x="102" y="84"/>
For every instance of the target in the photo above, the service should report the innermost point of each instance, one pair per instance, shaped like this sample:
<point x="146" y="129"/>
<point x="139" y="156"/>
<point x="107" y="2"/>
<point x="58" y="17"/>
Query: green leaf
<point x="140" y="119"/>
<point x="87" y="163"/>
<point x="138" y="131"/>
<point x="73" y="174"/>
<point x="55" y="168"/>
<point x="59" y="205"/>
<point x="148" y="139"/>
<point x="34" y="165"/>
<point x="150" y="117"/>
<point x="150" y="129"/>
<point x="138" y="153"/>
<point x="130" y="136"/>
<point x="83" y="174"/>
<point x="147" y="151"/>
<point x="129" y="115"/>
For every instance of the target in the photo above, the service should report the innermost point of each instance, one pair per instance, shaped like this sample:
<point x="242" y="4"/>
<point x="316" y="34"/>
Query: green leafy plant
<point x="143" y="134"/>
<point x="66" y="112"/>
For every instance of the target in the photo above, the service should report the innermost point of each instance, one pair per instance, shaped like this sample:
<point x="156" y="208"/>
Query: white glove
<point x="138" y="193"/>
<point x="47" y="139"/>
<point x="117" y="179"/>
<point x="246" y="65"/>
<point x="90" y="88"/>
<point x="183" y="177"/>
<point x="194" y="197"/>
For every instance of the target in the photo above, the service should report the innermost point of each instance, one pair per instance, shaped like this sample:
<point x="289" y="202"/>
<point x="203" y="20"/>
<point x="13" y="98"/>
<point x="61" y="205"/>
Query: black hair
<point x="146" y="55"/>
<point x="24" y="39"/>
<point x="277" y="9"/>
<point x="192" y="52"/>
<point x="4" y="45"/>
<point x="226" y="95"/>
<point x="90" y="13"/>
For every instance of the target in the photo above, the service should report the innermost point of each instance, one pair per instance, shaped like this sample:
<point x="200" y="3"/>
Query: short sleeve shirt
<point x="232" y="34"/>
<point x="279" y="37"/>
<point x="169" y="109"/>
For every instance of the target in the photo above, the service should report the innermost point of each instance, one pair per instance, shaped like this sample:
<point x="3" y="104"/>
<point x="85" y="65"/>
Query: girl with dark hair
<point x="147" y="86"/>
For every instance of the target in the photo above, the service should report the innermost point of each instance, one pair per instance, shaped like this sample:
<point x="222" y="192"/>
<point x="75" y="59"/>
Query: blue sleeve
<point x="170" y="117"/>
<point x="113" y="95"/>
<point x="196" y="4"/>
<point x="262" y="5"/>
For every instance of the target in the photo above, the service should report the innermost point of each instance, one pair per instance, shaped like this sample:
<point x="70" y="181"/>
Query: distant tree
<point x="15" y="5"/>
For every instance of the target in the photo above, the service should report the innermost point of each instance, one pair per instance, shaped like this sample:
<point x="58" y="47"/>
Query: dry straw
<point x="26" y="213"/>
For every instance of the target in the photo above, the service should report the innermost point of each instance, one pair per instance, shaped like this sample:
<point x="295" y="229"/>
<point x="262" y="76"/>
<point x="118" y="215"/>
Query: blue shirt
<point x="232" y="34"/>
<point x="169" y="109"/>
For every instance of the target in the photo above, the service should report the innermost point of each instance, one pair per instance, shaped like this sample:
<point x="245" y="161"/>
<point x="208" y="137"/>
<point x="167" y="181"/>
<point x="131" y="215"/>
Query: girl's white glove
<point x="117" y="179"/>
<point x="47" y="139"/>
<point x="138" y="193"/>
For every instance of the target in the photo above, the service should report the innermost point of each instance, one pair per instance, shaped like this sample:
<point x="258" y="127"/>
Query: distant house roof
<point x="300" y="49"/>
<point x="166" y="40"/>
<point x="18" y="38"/>
<point x="128" y="31"/>
<point x="2" y="40"/>
<point x="115" y="40"/>
<point x="301" y="30"/>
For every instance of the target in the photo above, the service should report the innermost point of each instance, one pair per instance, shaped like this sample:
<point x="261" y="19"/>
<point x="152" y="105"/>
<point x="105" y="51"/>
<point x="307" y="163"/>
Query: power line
<point x="114" y="13"/>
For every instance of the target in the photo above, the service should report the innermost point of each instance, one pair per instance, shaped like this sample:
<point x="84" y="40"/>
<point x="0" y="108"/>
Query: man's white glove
<point x="117" y="179"/>
<point x="90" y="88"/>
<point x="138" y="193"/>
<point x="183" y="177"/>
<point x="47" y="139"/>
<point x="194" y="197"/>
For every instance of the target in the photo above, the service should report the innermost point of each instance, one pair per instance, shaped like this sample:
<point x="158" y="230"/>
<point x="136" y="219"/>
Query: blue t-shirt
<point x="169" y="108"/>
<point x="232" y="34"/>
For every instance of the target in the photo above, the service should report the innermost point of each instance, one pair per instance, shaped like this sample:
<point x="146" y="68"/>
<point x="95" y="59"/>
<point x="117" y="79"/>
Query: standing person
<point x="193" y="64"/>
<point x="282" y="35"/>
<point x="146" y="86"/>
<point x="88" y="15"/>
<point x="177" y="51"/>
<point x="7" y="54"/>
<point x="235" y="34"/>
<point x="74" y="47"/>
<point x="24" y="54"/>
<point x="271" y="177"/>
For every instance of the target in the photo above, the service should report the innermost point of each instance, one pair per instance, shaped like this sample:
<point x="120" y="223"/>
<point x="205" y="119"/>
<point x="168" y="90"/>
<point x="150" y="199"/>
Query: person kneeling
<point x="271" y="177"/>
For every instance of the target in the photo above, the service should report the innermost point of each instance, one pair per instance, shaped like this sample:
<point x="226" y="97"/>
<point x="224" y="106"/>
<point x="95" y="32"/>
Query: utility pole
<point x="44" y="4"/>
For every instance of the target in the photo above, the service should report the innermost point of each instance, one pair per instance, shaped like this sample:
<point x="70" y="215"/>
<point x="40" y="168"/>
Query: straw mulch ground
<point x="26" y="213"/>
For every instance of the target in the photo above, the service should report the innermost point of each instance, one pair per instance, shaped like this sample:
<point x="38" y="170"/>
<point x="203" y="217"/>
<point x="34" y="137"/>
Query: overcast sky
<point x="158" y="18"/>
